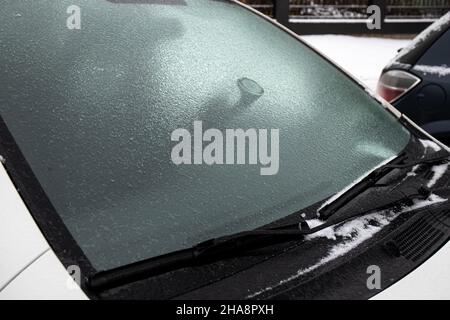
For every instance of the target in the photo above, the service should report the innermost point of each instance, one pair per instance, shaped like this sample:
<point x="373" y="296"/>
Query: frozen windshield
<point x="93" y="103"/>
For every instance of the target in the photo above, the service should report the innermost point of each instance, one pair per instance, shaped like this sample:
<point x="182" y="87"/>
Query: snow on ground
<point x="363" y="57"/>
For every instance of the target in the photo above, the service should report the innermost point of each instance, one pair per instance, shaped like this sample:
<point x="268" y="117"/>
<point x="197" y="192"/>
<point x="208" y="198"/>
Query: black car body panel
<point x="406" y="59"/>
<point x="428" y="103"/>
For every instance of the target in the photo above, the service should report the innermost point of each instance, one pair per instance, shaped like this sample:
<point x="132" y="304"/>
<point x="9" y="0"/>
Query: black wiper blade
<point x="371" y="180"/>
<point x="206" y="252"/>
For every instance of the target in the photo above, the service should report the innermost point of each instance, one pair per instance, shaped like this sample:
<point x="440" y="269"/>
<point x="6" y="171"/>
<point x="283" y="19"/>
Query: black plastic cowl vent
<point x="420" y="237"/>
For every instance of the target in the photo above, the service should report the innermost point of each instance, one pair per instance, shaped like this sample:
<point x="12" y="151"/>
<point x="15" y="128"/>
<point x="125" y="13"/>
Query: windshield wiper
<point x="371" y="180"/>
<point x="204" y="253"/>
<point x="217" y="249"/>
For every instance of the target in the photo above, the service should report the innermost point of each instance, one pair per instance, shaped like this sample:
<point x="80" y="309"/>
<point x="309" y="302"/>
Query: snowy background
<point x="364" y="57"/>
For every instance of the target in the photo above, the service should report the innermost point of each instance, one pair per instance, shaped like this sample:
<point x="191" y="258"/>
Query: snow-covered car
<point x="93" y="205"/>
<point x="417" y="80"/>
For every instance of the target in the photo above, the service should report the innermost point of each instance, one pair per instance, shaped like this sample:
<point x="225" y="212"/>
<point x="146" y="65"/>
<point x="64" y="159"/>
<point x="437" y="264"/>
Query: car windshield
<point x="92" y="92"/>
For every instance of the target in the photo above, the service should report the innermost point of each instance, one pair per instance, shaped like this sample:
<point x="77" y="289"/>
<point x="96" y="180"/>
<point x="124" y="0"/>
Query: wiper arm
<point x="371" y="180"/>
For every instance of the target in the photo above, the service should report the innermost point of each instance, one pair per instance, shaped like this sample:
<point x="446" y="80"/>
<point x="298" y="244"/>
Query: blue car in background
<point x="417" y="81"/>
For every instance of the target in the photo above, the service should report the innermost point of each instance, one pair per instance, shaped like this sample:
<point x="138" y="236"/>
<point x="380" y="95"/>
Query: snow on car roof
<point x="411" y="53"/>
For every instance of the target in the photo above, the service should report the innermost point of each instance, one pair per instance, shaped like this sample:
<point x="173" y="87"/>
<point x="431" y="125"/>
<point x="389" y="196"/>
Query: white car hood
<point x="26" y="255"/>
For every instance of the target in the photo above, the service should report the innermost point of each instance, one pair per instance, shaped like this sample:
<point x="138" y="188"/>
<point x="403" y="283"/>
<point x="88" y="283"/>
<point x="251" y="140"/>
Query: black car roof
<point x="409" y="55"/>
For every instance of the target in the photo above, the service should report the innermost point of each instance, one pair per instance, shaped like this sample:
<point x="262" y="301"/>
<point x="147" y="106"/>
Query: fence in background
<point x="350" y="16"/>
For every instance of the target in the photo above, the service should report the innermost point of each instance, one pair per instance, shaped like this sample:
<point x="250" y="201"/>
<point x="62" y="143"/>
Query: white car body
<point x="29" y="269"/>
